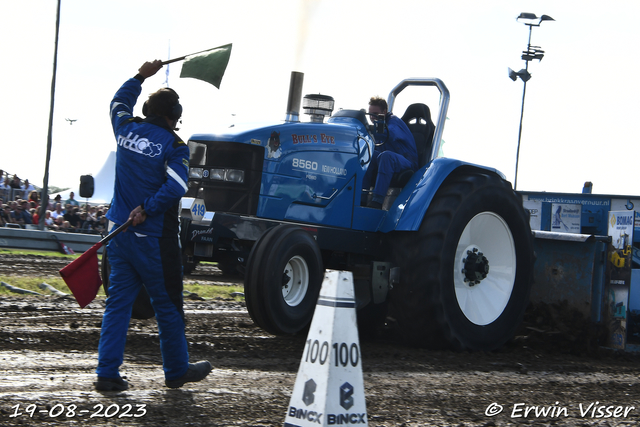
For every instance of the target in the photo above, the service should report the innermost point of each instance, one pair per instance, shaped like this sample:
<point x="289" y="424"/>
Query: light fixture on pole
<point x="532" y="52"/>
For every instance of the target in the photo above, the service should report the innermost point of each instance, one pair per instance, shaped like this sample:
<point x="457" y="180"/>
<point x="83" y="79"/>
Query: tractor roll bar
<point x="442" y="113"/>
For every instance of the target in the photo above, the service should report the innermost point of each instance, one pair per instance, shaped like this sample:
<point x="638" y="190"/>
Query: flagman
<point x="152" y="165"/>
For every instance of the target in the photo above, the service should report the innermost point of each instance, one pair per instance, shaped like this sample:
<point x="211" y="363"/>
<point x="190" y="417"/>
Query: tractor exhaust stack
<point x="295" y="97"/>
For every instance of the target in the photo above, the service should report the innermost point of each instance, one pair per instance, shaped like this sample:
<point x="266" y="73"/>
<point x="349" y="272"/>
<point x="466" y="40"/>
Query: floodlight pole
<point x="44" y="198"/>
<point x="532" y="52"/>
<point x="524" y="92"/>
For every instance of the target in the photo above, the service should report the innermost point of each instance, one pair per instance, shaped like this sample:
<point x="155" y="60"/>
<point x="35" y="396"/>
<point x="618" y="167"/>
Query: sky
<point x="581" y="107"/>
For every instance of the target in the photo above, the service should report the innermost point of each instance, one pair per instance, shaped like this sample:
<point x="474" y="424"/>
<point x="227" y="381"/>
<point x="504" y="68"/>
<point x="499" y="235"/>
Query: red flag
<point x="82" y="276"/>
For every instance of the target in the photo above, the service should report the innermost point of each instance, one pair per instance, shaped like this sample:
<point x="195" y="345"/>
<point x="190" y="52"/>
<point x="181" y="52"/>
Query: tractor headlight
<point x="234" y="175"/>
<point x="229" y="175"/>
<point x="217" y="174"/>
<point x="195" y="173"/>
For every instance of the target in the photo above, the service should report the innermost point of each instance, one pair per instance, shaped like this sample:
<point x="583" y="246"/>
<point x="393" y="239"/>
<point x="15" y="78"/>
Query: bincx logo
<point x="346" y="396"/>
<point x="303" y="414"/>
<point x="309" y="390"/>
<point x="139" y="145"/>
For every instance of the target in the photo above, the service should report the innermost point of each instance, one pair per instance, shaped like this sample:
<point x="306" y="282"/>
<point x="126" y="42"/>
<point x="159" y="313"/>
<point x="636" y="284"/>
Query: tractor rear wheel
<point x="467" y="272"/>
<point x="283" y="279"/>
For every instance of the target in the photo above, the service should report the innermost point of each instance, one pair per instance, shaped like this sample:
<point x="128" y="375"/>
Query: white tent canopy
<point x="103" y="184"/>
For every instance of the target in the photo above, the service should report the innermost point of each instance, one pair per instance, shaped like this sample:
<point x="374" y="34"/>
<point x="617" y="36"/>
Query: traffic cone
<point x="329" y="389"/>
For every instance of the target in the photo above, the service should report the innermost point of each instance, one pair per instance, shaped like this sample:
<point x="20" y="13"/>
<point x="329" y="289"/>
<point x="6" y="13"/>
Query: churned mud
<point x="554" y="373"/>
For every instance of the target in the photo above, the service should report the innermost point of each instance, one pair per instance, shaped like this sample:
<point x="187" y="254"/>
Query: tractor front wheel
<point x="283" y="280"/>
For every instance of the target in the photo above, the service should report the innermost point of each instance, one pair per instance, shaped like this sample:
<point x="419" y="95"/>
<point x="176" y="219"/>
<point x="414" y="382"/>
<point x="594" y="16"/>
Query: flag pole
<point x="182" y="58"/>
<point x="116" y="231"/>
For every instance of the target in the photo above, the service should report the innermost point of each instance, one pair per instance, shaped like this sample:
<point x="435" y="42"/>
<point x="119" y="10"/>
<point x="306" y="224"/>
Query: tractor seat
<point x="418" y="119"/>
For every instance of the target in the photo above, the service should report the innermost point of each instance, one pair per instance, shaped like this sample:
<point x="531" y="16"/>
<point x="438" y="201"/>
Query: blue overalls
<point x="398" y="153"/>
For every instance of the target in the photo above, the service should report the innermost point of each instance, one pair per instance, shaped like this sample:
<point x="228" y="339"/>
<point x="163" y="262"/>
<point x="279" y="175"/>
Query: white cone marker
<point x="329" y="389"/>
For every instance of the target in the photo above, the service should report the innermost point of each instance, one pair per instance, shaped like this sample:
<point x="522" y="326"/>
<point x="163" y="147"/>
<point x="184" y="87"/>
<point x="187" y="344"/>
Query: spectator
<point x="89" y="222"/>
<point x="49" y="221"/>
<point x="71" y="215"/>
<point x="64" y="225"/>
<point x="91" y="213"/>
<point x="58" y="222"/>
<point x="52" y="203"/>
<point x="21" y="215"/>
<point x="35" y="218"/>
<point x="84" y="224"/>
<point x="71" y="200"/>
<point x="5" y="189"/>
<point x="15" y="183"/>
<point x="9" y="211"/>
<point x="57" y="212"/>
<point x="1" y="178"/>
<point x="28" y="188"/>
<point x="5" y="215"/>
<point x="34" y="197"/>
<point x="100" y="226"/>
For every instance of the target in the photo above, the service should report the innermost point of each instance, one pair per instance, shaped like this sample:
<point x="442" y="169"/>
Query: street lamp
<point x="532" y="52"/>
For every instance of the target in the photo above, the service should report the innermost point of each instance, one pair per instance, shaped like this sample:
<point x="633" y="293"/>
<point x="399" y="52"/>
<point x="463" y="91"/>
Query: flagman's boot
<point x="111" y="384"/>
<point x="196" y="372"/>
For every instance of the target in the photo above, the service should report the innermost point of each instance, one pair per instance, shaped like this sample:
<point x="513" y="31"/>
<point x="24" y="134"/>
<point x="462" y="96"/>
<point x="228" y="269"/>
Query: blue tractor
<point x="449" y="257"/>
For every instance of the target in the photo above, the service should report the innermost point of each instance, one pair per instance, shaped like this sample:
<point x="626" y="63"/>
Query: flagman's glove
<point x="148" y="69"/>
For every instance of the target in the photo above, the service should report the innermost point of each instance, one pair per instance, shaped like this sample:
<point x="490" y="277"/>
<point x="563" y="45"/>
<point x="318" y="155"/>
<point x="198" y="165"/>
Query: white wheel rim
<point x="484" y="302"/>
<point x="297" y="285"/>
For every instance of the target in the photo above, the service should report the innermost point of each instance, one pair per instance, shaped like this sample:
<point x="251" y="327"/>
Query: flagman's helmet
<point x="164" y="103"/>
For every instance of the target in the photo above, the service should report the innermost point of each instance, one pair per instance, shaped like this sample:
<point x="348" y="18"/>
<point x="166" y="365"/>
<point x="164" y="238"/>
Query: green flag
<point x="208" y="66"/>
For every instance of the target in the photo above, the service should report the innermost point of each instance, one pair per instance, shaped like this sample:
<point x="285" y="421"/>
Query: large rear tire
<point x="283" y="280"/>
<point x="467" y="272"/>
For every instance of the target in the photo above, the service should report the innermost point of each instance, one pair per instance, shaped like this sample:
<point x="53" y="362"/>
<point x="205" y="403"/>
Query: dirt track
<point x="48" y="354"/>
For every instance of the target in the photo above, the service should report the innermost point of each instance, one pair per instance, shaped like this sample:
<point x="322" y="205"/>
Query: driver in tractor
<point x="395" y="152"/>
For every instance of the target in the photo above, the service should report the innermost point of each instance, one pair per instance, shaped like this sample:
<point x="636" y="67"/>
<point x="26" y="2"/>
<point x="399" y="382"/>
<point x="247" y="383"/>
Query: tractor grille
<point x="221" y="195"/>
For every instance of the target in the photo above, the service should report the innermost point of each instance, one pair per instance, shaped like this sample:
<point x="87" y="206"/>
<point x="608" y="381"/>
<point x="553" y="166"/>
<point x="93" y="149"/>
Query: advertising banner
<point x="535" y="213"/>
<point x="621" y="225"/>
<point x="565" y="218"/>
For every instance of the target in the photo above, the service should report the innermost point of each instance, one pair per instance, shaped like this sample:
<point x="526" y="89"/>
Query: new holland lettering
<point x="334" y="170"/>
<point x="341" y="419"/>
<point x="304" y="414"/>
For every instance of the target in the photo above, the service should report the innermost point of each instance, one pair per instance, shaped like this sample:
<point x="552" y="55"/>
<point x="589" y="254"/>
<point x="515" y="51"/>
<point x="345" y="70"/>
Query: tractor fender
<point x="414" y="200"/>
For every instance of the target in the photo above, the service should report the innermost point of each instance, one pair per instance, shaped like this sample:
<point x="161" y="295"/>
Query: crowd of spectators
<point x="20" y="206"/>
